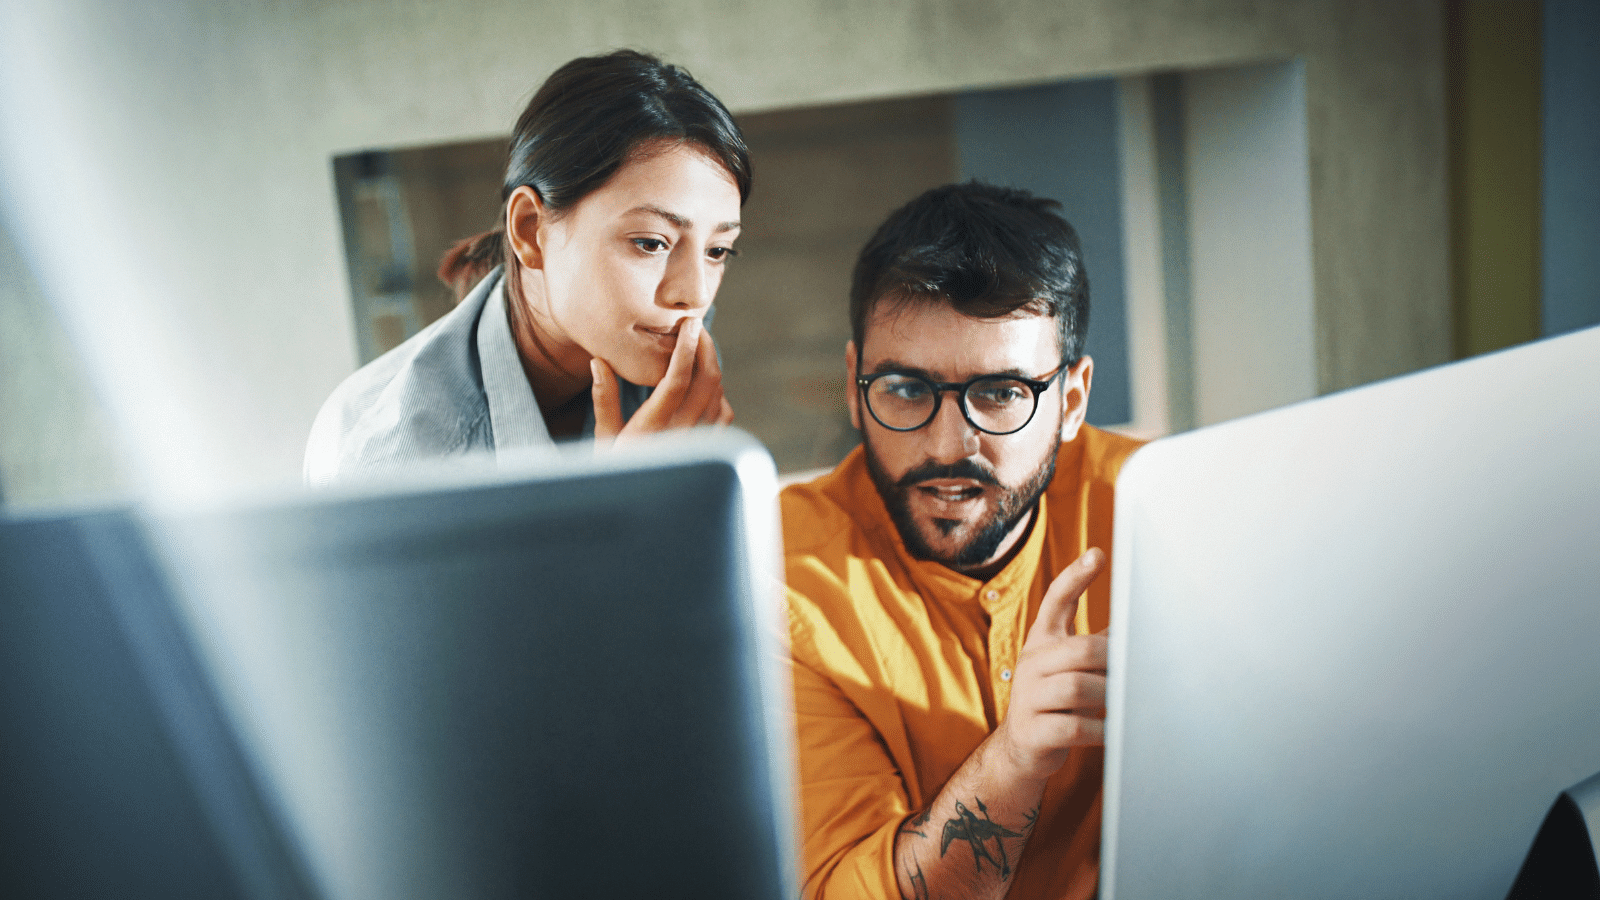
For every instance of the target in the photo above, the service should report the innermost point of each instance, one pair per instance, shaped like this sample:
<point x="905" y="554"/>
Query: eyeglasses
<point x="993" y="404"/>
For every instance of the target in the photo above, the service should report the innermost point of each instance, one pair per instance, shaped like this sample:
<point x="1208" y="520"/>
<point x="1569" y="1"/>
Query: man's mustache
<point x="961" y="468"/>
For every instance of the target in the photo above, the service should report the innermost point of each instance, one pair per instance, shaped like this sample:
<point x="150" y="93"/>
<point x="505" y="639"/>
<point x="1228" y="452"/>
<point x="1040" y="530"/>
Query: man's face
<point x="958" y="495"/>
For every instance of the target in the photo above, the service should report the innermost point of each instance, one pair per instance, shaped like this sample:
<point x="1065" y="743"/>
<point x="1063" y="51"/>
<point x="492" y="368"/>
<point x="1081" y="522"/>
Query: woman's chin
<point x="642" y="372"/>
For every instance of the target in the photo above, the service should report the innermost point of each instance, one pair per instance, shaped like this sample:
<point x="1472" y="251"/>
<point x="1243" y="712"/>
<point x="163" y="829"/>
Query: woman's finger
<point x="607" y="399"/>
<point x="657" y="412"/>
<point x="704" y="399"/>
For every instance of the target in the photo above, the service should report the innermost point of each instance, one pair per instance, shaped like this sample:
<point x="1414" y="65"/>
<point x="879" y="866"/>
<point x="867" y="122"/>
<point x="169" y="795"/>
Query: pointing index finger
<point x="1060" y="605"/>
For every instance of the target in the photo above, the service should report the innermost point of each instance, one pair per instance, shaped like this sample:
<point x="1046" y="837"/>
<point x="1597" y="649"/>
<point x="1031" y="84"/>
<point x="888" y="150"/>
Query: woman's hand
<point x="689" y="394"/>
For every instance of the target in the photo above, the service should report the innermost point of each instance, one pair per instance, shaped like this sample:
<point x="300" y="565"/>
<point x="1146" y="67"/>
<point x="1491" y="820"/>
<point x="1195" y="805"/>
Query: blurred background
<point x="211" y="213"/>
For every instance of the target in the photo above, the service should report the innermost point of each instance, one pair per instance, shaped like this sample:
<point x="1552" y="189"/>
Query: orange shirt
<point x="902" y="667"/>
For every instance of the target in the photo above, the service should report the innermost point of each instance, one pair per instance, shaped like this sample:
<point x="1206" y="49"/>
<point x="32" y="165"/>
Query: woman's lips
<point x="666" y="338"/>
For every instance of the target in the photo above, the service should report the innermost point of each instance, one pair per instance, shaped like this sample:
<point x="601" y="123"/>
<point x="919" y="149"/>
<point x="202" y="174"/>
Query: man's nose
<point x="950" y="435"/>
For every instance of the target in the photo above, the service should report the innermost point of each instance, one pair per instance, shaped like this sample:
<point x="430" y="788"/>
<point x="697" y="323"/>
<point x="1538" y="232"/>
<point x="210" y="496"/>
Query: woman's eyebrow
<point x="681" y="221"/>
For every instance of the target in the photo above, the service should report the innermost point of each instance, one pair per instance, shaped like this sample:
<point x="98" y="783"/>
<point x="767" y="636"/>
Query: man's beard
<point x="1012" y="505"/>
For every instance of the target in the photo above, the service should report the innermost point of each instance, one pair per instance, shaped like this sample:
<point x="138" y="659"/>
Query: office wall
<point x="56" y="443"/>
<point x="1252" y="308"/>
<point x="1494" y="150"/>
<point x="1570" y="152"/>
<point x="168" y="166"/>
<point x="1525" y="169"/>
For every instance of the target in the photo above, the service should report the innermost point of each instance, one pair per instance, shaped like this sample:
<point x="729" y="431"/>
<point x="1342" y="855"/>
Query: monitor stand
<point x="1564" y="861"/>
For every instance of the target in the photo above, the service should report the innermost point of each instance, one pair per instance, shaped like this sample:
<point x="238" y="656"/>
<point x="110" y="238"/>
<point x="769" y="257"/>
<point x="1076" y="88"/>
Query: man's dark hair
<point x="988" y="251"/>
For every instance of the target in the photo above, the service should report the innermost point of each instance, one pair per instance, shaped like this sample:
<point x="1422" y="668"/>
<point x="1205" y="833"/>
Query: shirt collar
<point x="514" y="415"/>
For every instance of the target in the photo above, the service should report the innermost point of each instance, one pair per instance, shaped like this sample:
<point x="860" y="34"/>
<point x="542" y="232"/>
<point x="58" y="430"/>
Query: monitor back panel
<point x="554" y="686"/>
<point x="120" y="775"/>
<point x="1356" y="642"/>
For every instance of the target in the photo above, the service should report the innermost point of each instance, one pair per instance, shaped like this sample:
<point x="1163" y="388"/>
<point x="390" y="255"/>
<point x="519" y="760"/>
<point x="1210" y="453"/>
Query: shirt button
<point x="993" y="595"/>
<point x="1005" y="674"/>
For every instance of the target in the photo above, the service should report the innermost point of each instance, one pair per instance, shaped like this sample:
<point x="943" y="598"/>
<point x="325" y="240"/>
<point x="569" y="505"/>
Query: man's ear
<point x="1075" y="397"/>
<point x="525" y="212"/>
<point x="852" y="396"/>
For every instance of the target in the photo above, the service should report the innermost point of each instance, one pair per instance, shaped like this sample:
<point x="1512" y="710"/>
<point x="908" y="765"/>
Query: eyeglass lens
<point x="995" y="404"/>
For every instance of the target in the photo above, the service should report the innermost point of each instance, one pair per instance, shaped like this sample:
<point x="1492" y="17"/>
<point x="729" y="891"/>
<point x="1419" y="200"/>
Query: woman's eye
<point x="650" y="245"/>
<point x="722" y="254"/>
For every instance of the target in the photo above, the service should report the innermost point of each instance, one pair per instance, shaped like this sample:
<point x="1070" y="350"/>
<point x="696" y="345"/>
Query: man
<point x="949" y="686"/>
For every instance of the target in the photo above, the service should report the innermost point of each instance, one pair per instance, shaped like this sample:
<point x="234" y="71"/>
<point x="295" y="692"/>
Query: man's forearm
<point x="967" y="843"/>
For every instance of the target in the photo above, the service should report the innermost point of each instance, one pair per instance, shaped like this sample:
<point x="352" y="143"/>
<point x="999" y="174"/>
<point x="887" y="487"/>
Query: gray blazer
<point x="454" y="389"/>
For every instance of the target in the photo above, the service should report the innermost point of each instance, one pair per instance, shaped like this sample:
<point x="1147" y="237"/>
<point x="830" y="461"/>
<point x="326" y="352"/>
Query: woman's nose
<point x="687" y="285"/>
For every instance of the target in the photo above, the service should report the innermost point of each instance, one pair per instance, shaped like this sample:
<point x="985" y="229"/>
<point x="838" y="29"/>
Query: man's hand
<point x="690" y="393"/>
<point x="988" y="807"/>
<point x="1058" y="696"/>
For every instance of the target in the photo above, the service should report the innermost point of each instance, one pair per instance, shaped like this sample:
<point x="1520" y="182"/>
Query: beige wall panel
<point x="825" y="179"/>
<point x="1375" y="111"/>
<point x="1252" y="314"/>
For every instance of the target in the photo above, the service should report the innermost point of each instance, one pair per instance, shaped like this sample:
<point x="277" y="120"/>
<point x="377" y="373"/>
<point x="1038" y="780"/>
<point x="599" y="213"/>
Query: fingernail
<point x="692" y="325"/>
<point x="594" y="369"/>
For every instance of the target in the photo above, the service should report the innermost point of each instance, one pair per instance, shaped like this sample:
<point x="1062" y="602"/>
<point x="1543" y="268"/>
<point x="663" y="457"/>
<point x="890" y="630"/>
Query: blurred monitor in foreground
<point x="561" y="680"/>
<point x="1356" y="642"/>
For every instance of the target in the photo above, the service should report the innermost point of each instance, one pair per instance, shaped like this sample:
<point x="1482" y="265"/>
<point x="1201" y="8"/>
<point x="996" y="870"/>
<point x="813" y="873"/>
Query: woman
<point x="621" y="206"/>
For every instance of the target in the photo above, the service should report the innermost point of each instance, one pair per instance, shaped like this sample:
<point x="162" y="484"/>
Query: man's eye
<point x="998" y="394"/>
<point x="904" y="389"/>
<point x="650" y="245"/>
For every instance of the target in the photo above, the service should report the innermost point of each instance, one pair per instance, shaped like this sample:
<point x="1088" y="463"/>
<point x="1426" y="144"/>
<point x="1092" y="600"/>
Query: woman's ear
<point x="1075" y="383"/>
<point x="525" y="213"/>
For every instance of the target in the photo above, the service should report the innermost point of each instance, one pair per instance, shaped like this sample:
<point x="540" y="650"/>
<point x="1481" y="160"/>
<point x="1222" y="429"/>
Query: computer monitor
<point x="560" y="678"/>
<point x="120" y="775"/>
<point x="1355" y="643"/>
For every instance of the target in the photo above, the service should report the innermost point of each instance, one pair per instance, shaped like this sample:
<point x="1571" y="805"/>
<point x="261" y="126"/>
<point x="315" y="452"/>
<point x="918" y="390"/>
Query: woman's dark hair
<point x="467" y="261"/>
<point x="590" y="118"/>
<point x="987" y="251"/>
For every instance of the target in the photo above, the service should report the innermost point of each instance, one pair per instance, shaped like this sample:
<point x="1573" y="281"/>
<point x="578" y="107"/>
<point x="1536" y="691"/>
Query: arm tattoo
<point x="911" y="825"/>
<point x="919" y="883"/>
<point x="977" y="833"/>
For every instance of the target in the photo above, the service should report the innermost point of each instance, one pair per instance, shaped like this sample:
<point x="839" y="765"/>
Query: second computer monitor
<point x="1356" y="642"/>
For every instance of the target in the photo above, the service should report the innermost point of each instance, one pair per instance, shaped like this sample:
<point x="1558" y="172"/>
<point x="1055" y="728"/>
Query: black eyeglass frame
<point x="960" y="388"/>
